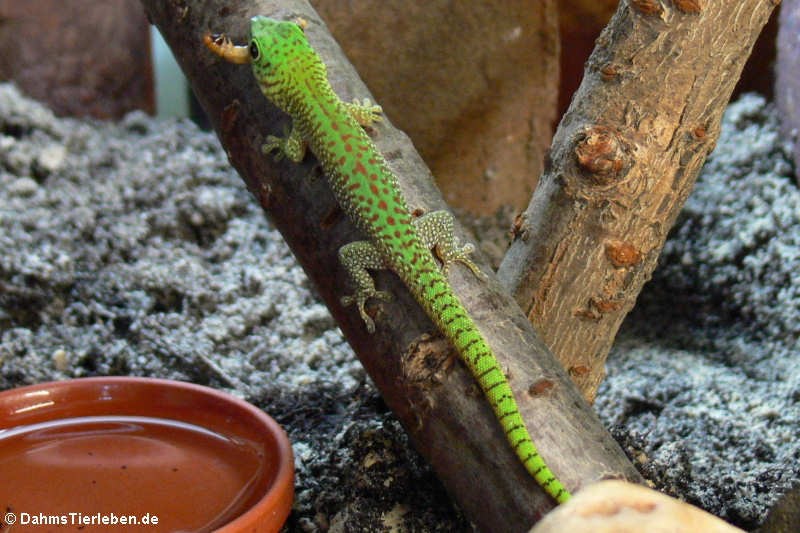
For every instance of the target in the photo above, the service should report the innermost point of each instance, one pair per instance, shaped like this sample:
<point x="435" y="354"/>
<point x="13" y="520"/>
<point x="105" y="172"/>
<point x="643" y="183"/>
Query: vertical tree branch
<point x="622" y="162"/>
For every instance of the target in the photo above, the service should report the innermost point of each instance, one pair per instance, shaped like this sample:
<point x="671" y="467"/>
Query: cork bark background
<point x="474" y="84"/>
<point x="82" y="57"/>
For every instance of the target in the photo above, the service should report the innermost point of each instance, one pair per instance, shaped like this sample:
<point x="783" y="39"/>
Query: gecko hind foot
<point x="460" y="255"/>
<point x="357" y="258"/>
<point x="276" y="144"/>
<point x="360" y="299"/>
<point x="290" y="145"/>
<point x="436" y="230"/>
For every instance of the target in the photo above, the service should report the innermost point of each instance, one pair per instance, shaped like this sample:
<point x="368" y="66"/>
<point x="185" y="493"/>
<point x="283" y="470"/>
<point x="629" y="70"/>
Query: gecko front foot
<point x="290" y="145"/>
<point x="364" y="112"/>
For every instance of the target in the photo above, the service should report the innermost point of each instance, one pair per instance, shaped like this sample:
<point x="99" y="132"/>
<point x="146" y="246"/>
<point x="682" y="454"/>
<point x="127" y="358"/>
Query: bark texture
<point x="581" y="21"/>
<point x="439" y="404"/>
<point x="623" y="161"/>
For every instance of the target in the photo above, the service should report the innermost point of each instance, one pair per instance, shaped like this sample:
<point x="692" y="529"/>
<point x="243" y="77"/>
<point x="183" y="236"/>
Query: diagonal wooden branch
<point x="448" y="421"/>
<point x="622" y="162"/>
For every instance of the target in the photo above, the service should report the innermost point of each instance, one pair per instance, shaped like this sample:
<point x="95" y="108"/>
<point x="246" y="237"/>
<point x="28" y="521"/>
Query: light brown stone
<point x="620" y="507"/>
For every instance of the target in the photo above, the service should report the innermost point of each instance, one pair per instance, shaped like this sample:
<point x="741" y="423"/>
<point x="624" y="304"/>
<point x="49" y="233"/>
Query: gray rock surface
<point x="134" y="249"/>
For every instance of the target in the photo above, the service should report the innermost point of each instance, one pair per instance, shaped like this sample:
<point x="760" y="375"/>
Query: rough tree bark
<point x="448" y="421"/>
<point x="623" y="161"/>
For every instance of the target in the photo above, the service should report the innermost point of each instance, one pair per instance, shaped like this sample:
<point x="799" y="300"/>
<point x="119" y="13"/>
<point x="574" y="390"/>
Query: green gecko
<point x="292" y="76"/>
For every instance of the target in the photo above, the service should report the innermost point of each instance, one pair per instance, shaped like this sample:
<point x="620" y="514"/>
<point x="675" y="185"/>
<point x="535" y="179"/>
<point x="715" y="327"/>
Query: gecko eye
<point x="254" y="51"/>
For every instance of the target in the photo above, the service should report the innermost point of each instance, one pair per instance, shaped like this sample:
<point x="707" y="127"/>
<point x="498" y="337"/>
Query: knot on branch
<point x="602" y="154"/>
<point x="647" y="7"/>
<point x="610" y="71"/>
<point x="596" y="307"/>
<point x="622" y="254"/>
<point x="688" y="6"/>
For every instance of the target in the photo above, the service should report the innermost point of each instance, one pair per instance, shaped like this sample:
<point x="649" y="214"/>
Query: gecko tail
<point x="449" y="314"/>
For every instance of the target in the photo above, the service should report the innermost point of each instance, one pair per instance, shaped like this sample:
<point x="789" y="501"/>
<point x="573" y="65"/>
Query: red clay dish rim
<point x="269" y="513"/>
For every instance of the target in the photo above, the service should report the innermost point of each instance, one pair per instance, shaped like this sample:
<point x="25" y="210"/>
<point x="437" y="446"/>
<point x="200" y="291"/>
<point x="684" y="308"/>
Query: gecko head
<point x="278" y="50"/>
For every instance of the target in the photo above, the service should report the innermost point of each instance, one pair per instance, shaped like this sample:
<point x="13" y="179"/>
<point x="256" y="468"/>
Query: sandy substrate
<point x="134" y="249"/>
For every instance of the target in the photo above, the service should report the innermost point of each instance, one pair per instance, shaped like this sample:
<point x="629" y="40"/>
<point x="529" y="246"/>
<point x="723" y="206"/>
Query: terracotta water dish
<point x="136" y="454"/>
